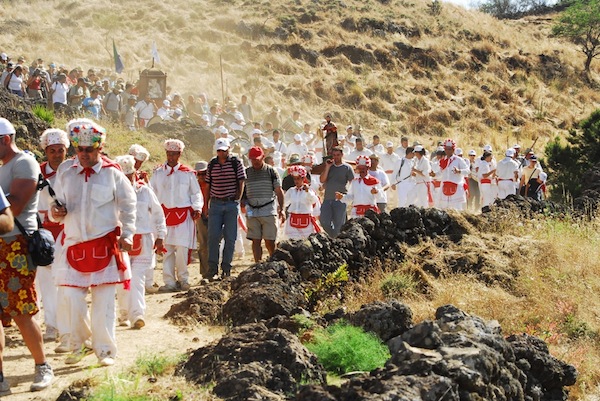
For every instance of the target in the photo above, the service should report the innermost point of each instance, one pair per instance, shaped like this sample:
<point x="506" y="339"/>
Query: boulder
<point x="254" y="362"/>
<point x="385" y="319"/>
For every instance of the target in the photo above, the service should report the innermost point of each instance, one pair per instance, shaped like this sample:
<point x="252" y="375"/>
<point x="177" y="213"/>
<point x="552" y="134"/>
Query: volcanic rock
<point x="253" y="362"/>
<point x="201" y="305"/>
<point x="385" y="319"/>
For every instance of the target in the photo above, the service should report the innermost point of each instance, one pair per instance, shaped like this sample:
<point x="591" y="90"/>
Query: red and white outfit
<point x="485" y="183"/>
<point x="179" y="194"/>
<point x="149" y="225"/>
<point x="452" y="171"/>
<point x="505" y="172"/>
<point x="100" y="202"/>
<point x="359" y="194"/>
<point x="303" y="209"/>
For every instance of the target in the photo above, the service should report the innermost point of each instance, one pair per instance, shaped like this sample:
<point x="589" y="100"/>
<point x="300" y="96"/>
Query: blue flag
<point x="118" y="62"/>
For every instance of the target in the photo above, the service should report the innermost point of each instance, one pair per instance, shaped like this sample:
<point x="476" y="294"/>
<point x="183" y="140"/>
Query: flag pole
<point x="222" y="87"/>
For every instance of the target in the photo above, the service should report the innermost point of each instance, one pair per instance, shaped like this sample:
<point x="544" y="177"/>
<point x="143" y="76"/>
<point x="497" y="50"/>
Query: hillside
<point x="390" y="66"/>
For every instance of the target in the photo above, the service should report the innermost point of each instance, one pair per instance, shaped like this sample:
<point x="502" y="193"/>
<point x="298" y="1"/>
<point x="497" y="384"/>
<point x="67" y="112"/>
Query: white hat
<point x="6" y="127"/>
<point x="54" y="136"/>
<point x="85" y="132"/>
<point x="348" y="127"/>
<point x="457" y="151"/>
<point x="298" y="137"/>
<point x="256" y="131"/>
<point x="222" y="130"/>
<point x="487" y="148"/>
<point x="543" y="176"/>
<point x="178" y="111"/>
<point x="516" y="146"/>
<point x="127" y="163"/>
<point x="222" y="144"/>
<point x="139" y="152"/>
<point x="173" y="145"/>
<point x="418" y="148"/>
<point x="389" y="144"/>
<point x="166" y="103"/>
<point x="472" y="153"/>
<point x="510" y="152"/>
<point x="4" y="56"/>
<point x="341" y="137"/>
<point x="440" y="149"/>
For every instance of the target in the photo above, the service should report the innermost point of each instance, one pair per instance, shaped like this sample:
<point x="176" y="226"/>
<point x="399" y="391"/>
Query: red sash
<point x="136" y="249"/>
<point x="300" y="220"/>
<point x="485" y="181"/>
<point x="176" y="215"/>
<point x="53" y="227"/>
<point x="94" y="255"/>
<point x="362" y="209"/>
<point x="436" y="183"/>
<point x="449" y="188"/>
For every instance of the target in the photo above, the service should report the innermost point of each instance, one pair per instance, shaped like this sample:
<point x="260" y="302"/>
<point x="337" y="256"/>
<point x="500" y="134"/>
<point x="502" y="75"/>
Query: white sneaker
<point x="4" y="387"/>
<point x="124" y="322"/>
<point x="76" y="356"/>
<point x="139" y="322"/>
<point x="105" y="359"/>
<point x="50" y="334"/>
<point x="43" y="377"/>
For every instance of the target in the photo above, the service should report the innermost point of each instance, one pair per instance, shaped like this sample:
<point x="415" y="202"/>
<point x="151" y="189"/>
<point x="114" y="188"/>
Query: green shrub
<point x="43" y="113"/>
<point x="342" y="348"/>
<point x="398" y="285"/>
<point x="155" y="365"/>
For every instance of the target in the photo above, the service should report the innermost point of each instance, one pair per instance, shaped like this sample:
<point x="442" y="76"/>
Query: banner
<point x="155" y="56"/>
<point x="119" y="67"/>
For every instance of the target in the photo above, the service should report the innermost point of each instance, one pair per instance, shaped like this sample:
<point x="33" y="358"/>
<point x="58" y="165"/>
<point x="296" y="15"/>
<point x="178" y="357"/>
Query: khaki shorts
<point x="262" y="227"/>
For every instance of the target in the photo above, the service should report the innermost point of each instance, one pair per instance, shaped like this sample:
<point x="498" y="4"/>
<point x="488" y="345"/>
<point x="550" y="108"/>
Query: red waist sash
<point x="176" y="215"/>
<point x="485" y="181"/>
<point x="302" y="220"/>
<point x="362" y="209"/>
<point x="53" y="227"/>
<point x="436" y="183"/>
<point x="449" y="188"/>
<point x="136" y="248"/>
<point x="94" y="255"/>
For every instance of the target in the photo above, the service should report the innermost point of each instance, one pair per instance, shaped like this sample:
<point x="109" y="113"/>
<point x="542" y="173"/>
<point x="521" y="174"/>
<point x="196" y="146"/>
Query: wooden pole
<point x="222" y="83"/>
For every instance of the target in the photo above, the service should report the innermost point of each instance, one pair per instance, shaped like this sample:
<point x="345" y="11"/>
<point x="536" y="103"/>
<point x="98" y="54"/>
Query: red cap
<point x="256" y="152"/>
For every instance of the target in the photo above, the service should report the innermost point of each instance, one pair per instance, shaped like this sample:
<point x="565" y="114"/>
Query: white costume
<point x="402" y="178"/>
<point x="99" y="200"/>
<point x="421" y="191"/>
<point x="179" y="193"/>
<point x="149" y="225"/>
<point x="453" y="171"/>
<point x="505" y="172"/>
<point x="301" y="204"/>
<point x="359" y="194"/>
<point x="485" y="183"/>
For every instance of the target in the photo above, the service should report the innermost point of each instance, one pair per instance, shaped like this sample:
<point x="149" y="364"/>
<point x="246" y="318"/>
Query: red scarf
<point x="445" y="161"/>
<point x="369" y="180"/>
<point x="47" y="175"/>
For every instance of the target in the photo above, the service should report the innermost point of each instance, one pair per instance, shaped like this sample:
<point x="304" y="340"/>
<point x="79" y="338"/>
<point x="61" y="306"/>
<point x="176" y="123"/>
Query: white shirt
<point x="379" y="149"/>
<point x="423" y="166"/>
<point x="383" y="180"/>
<point x="506" y="169"/>
<point x="400" y="151"/>
<point x="280" y="147"/>
<point x="359" y="193"/>
<point x="448" y="173"/>
<point x="300" y="149"/>
<point x="403" y="170"/>
<point x="300" y="201"/>
<point x="176" y="190"/>
<point x="389" y="162"/>
<point x="163" y="113"/>
<point x="145" y="110"/>
<point x="355" y="153"/>
<point x="150" y="216"/>
<point x="60" y="92"/>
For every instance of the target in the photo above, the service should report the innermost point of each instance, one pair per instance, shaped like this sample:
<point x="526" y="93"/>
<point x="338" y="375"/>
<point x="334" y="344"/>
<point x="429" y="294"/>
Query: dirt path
<point x="158" y="336"/>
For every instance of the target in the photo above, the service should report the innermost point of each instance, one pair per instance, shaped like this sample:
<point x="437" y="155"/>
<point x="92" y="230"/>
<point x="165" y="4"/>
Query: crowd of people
<point x="111" y="218"/>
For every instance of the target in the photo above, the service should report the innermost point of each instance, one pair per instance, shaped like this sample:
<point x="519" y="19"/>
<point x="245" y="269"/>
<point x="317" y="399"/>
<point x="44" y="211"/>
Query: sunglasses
<point x="88" y="149"/>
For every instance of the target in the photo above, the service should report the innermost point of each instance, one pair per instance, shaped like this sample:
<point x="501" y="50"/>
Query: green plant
<point x="342" y="348"/>
<point x="43" y="113"/>
<point x="326" y="286"/>
<point x="154" y="365"/>
<point x="398" y="285"/>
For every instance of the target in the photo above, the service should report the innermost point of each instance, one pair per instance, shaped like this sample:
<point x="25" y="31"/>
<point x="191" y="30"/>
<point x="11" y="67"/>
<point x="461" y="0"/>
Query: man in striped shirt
<point x="226" y="178"/>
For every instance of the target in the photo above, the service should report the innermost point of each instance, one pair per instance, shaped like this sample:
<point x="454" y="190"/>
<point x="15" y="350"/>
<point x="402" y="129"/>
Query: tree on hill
<point x="513" y="9"/>
<point x="569" y="163"/>
<point x="580" y="23"/>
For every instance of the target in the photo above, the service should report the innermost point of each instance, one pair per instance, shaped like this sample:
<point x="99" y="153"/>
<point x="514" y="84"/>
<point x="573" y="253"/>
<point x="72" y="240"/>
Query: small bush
<point x="43" y="113"/>
<point x="155" y="365"/>
<point x="342" y="348"/>
<point x="398" y="285"/>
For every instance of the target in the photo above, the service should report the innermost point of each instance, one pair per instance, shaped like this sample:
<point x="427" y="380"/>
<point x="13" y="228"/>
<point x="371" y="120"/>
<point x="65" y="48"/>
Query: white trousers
<point x="505" y="188"/>
<point x="48" y="292"/>
<point x="487" y="194"/>
<point x="175" y="265"/>
<point x="131" y="302"/>
<point x="101" y="328"/>
<point x="419" y="195"/>
<point x="404" y="189"/>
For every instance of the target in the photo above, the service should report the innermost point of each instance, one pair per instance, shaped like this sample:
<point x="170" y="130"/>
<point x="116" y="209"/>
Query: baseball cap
<point x="256" y="152"/>
<point x="389" y="144"/>
<point x="510" y="152"/>
<point x="201" y="166"/>
<point x="487" y="148"/>
<point x="298" y="137"/>
<point x="3" y="56"/>
<point x="472" y="153"/>
<point x="418" y="148"/>
<point x="222" y="144"/>
<point x="294" y="158"/>
<point x="6" y="127"/>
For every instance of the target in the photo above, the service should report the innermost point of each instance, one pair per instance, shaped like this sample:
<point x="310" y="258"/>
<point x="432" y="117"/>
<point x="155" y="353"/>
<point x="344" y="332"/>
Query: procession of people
<point x="111" y="219"/>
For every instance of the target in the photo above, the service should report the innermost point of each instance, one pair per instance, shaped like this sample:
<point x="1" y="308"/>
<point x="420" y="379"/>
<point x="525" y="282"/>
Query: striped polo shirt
<point x="223" y="179"/>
